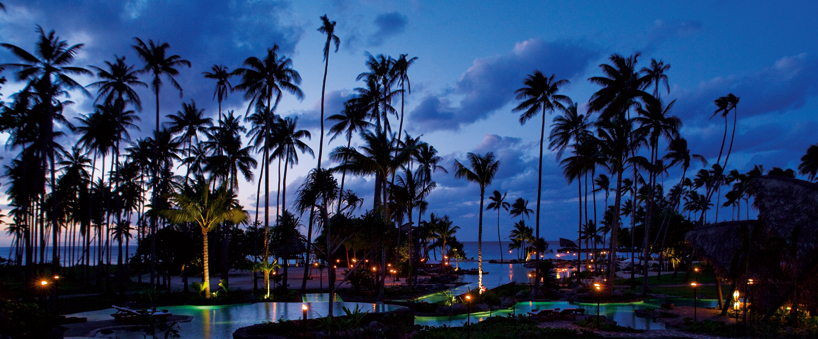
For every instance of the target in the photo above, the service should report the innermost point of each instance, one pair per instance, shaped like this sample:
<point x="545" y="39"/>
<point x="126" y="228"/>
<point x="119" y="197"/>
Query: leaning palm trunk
<point x="612" y="265"/>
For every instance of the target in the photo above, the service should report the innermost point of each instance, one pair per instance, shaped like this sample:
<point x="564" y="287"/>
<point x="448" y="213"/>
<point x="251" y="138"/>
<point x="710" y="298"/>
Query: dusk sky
<point x="472" y="56"/>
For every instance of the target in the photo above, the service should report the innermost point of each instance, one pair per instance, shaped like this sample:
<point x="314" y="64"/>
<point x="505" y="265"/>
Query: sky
<point x="472" y="56"/>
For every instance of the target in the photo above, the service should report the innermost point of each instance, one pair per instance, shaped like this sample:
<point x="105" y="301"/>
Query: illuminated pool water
<point x="219" y="322"/>
<point x="621" y="313"/>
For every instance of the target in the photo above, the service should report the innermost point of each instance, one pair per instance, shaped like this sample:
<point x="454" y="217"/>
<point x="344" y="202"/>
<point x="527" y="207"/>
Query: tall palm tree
<point x="444" y="231"/>
<point x="222" y="77"/>
<point x="401" y="73"/>
<point x="498" y="202"/>
<point x="188" y="123"/>
<point x="540" y="94"/>
<point x="414" y="189"/>
<point x="809" y="163"/>
<point x="349" y="121"/>
<point x="481" y="170"/>
<point x="207" y="208"/>
<point x="49" y="71"/>
<point x="378" y="93"/>
<point x="158" y="63"/>
<point x="289" y="143"/>
<point x="328" y="28"/>
<point x="656" y="75"/>
<point x="654" y="122"/>
<point x="261" y="80"/>
<point x="118" y="82"/>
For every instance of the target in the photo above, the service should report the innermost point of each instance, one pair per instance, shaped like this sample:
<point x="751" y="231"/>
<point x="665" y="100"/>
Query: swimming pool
<point x="219" y="322"/>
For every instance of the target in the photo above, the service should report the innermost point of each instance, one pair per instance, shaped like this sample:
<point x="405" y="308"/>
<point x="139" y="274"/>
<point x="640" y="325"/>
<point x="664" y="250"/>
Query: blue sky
<point x="472" y="55"/>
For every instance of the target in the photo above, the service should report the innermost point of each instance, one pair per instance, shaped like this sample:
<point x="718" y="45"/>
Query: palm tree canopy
<point x="222" y="77"/>
<point x="520" y="208"/>
<point x="264" y="79"/>
<point x="481" y="170"/>
<point x="203" y="206"/>
<point x="328" y="28"/>
<point x="498" y="201"/>
<point x="809" y="163"/>
<point x="621" y="87"/>
<point x="118" y="82"/>
<point x="539" y="94"/>
<point x="157" y="62"/>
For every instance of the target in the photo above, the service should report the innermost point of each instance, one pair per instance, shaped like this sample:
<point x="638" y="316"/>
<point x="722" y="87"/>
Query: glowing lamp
<point x="303" y="307"/>
<point x="43" y="282"/>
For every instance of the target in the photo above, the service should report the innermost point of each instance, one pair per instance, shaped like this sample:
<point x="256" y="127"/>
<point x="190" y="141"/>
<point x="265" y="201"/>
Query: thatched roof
<point x="565" y="243"/>
<point x="786" y="204"/>
<point x="783" y="204"/>
<point x="718" y="243"/>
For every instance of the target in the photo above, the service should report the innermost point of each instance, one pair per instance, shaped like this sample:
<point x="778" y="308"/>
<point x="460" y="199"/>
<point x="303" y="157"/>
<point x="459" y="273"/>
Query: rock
<point x="376" y="326"/>
<point x="520" y="294"/>
<point x="444" y="310"/>
<point x="458" y="308"/>
<point x="494" y="308"/>
<point x="506" y="302"/>
<point x="480" y="308"/>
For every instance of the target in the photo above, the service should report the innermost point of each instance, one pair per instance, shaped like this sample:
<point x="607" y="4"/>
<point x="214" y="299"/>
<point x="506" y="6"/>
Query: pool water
<point x="219" y="322"/>
<point x="621" y="313"/>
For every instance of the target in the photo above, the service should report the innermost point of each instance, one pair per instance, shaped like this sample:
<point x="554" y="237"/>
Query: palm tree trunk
<point x="154" y="220"/>
<point x="579" y="229"/>
<point x="612" y="265"/>
<point x="323" y="90"/>
<point x="499" y="240"/>
<point x="480" y="242"/>
<point x="206" y="265"/>
<point x="633" y="227"/>
<point x="539" y="195"/>
<point x="256" y="224"/>
<point x="266" y="219"/>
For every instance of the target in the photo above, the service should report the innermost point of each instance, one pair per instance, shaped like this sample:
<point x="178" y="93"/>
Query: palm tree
<point x="188" y="123"/>
<point x="349" y="121"/>
<point x="327" y="28"/>
<point x="318" y="192"/>
<point x="723" y="106"/>
<point x="498" y="202"/>
<point x="222" y="77"/>
<point x="157" y="63"/>
<point x="401" y="73"/>
<point x="443" y="231"/>
<point x="117" y="83"/>
<point x="413" y="189"/>
<point x="655" y="123"/>
<point x="481" y="170"/>
<point x="378" y="93"/>
<point x="207" y="208"/>
<point x="540" y="93"/>
<point x="656" y="75"/>
<point x="809" y="163"/>
<point x="49" y="72"/>
<point x="289" y="142"/>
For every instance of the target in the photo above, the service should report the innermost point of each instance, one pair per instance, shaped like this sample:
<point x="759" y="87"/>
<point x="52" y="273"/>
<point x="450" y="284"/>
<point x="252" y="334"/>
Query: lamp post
<point x="57" y="294"/>
<point x="44" y="285"/>
<point x="746" y="307"/>
<point x="694" y="301"/>
<point x="468" y="315"/>
<point x="304" y="309"/>
<point x="736" y="303"/>
<point x="598" y="298"/>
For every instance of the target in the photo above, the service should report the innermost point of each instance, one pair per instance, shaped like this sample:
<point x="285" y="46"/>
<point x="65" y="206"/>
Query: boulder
<point x="458" y="308"/>
<point x="480" y="308"/>
<point x="506" y="302"/>
<point x="444" y="310"/>
<point x="494" y="308"/>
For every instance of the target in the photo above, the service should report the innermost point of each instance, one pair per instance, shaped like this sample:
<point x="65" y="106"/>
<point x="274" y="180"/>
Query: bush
<point x="510" y="289"/>
<point x="25" y="320"/>
<point x="360" y="278"/>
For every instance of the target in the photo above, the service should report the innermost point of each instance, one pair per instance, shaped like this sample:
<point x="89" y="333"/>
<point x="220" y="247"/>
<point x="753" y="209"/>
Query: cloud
<point x="766" y="96"/>
<point x="662" y="31"/>
<point x="205" y="33"/>
<point x="389" y="25"/>
<point x="490" y="82"/>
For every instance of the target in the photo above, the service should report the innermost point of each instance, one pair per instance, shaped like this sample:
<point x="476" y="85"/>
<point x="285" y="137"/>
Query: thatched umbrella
<point x="779" y="249"/>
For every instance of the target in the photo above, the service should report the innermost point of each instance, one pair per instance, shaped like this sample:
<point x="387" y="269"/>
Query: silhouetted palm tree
<point x="188" y="123"/>
<point x="497" y="203"/>
<point x="809" y="163"/>
<point x="288" y="144"/>
<point x="481" y="170"/>
<point x="158" y="63"/>
<point x="49" y="72"/>
<point x="656" y="75"/>
<point x="328" y="28"/>
<point x="540" y="94"/>
<point x="118" y="83"/>
<point x="349" y="121"/>
<point x="401" y="74"/>
<point x="222" y="77"/>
